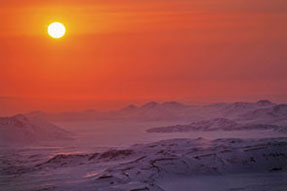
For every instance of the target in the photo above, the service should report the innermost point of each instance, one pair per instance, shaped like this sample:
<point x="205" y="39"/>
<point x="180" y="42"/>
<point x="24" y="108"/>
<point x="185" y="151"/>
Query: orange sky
<point x="117" y="52"/>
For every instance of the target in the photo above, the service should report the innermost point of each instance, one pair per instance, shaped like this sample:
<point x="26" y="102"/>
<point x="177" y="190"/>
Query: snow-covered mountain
<point x="166" y="111"/>
<point x="20" y="130"/>
<point x="151" y="111"/>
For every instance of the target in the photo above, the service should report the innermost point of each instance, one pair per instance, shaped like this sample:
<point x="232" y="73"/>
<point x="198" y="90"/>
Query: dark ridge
<point x="115" y="154"/>
<point x="173" y="103"/>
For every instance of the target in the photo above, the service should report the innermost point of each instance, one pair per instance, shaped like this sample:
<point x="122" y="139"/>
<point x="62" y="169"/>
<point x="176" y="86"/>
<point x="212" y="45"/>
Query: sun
<point x="56" y="30"/>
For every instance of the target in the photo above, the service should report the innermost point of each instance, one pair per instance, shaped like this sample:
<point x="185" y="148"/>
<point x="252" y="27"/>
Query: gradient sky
<point x="118" y="52"/>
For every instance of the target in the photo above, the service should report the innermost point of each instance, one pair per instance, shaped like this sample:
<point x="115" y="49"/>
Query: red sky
<point x="118" y="52"/>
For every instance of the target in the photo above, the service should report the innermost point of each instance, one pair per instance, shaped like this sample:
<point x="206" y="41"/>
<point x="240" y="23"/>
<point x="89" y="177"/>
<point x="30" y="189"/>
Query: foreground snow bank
<point x="140" y="167"/>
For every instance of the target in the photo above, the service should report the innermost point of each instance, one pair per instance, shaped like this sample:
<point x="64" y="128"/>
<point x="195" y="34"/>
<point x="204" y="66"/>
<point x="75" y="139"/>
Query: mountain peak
<point x="151" y="104"/>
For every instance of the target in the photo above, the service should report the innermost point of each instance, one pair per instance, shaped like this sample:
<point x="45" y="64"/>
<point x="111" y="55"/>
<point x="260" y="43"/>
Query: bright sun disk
<point x="56" y="30"/>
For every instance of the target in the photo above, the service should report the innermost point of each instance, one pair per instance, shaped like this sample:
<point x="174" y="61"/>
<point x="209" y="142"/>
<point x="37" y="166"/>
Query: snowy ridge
<point x="216" y="124"/>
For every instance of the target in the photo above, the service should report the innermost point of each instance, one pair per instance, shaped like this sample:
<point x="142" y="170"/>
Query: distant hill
<point x="20" y="129"/>
<point x="151" y="111"/>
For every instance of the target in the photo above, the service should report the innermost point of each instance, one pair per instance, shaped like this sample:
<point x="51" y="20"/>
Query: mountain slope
<point x="20" y="129"/>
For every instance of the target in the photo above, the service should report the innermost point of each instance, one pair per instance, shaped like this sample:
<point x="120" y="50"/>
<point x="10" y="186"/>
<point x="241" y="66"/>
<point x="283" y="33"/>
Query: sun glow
<point x="56" y="30"/>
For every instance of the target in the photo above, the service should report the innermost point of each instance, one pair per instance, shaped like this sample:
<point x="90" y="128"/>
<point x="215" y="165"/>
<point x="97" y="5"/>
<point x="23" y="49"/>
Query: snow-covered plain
<point x="237" y="146"/>
<point x="149" y="166"/>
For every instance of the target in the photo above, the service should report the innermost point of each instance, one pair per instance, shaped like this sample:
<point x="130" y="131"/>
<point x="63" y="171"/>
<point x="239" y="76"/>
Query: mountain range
<point x="261" y="111"/>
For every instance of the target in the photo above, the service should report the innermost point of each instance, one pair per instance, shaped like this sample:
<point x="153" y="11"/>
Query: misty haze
<point x="143" y="95"/>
